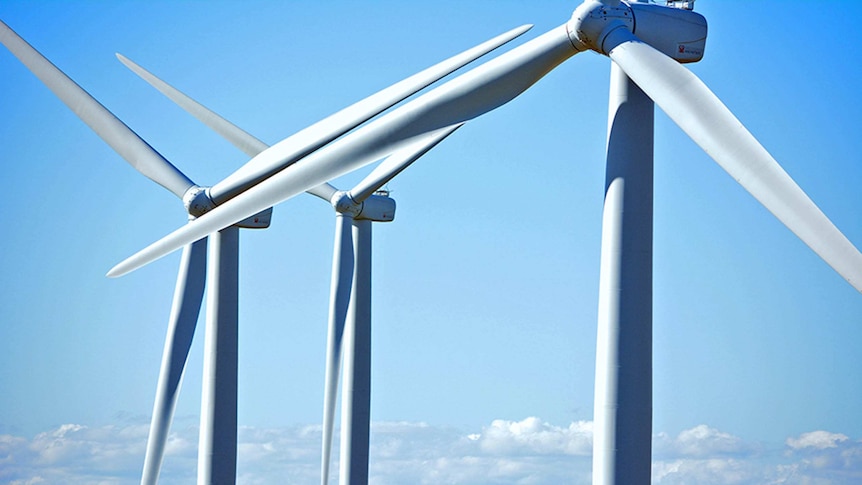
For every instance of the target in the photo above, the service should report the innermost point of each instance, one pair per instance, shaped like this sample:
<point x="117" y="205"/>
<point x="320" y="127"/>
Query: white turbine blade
<point x="339" y="301"/>
<point x="692" y="106"/>
<point x="319" y="134"/>
<point x="181" y="328"/>
<point x="240" y="138"/>
<point x="472" y="94"/>
<point x="396" y="163"/>
<point x="114" y="132"/>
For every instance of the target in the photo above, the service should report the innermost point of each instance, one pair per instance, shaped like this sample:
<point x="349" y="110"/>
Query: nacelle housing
<point x="377" y="208"/>
<point x="678" y="33"/>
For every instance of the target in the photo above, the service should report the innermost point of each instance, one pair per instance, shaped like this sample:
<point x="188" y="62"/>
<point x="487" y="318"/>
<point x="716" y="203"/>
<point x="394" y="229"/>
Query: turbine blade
<point x="339" y="301"/>
<point x="181" y="328"/>
<point x="240" y="138"/>
<point x="472" y="94"/>
<point x="319" y="134"/>
<point x="692" y="106"/>
<point x="397" y="162"/>
<point x="114" y="132"/>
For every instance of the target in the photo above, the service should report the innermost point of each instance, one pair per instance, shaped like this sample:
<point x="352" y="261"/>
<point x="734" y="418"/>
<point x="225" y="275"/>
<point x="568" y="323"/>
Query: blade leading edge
<point x="339" y="301"/>
<point x="114" y="132"/>
<point x="397" y="163"/>
<point x="181" y="329"/>
<point x="699" y="112"/>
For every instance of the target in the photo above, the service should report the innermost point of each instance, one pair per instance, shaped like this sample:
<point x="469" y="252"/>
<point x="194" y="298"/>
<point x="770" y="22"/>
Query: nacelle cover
<point x="261" y="220"/>
<point x="677" y="33"/>
<point x="377" y="208"/>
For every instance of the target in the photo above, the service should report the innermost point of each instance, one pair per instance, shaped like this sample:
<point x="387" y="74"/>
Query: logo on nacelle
<point x="685" y="49"/>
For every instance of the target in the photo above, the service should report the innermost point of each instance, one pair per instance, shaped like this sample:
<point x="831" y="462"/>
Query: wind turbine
<point x="218" y="439"/>
<point x="646" y="43"/>
<point x="349" y="329"/>
<point x="217" y="455"/>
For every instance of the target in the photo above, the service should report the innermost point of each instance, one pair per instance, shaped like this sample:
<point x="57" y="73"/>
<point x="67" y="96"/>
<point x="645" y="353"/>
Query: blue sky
<point x="485" y="286"/>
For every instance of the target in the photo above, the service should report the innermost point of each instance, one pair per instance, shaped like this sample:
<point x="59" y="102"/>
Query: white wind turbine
<point x="646" y="43"/>
<point x="217" y="445"/>
<point x="349" y="329"/>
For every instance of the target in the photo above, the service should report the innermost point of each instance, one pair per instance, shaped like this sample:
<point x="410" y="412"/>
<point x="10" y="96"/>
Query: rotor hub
<point x="593" y="20"/>
<point x="343" y="203"/>
<point x="197" y="201"/>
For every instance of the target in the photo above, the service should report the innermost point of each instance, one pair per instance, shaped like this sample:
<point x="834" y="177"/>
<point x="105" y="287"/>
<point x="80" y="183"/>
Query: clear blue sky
<point x="485" y="286"/>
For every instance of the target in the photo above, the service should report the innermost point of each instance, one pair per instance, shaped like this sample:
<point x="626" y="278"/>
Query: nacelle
<point x="676" y="32"/>
<point x="260" y="220"/>
<point x="377" y="208"/>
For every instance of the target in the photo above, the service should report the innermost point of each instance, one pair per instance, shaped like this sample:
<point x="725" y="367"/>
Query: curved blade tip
<point x="115" y="272"/>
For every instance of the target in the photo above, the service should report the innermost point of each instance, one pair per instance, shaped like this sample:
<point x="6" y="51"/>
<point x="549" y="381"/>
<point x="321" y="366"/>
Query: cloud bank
<point x="529" y="451"/>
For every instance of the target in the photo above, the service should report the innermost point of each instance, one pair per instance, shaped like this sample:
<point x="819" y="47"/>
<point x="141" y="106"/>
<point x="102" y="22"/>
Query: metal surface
<point x="218" y="429"/>
<point x="622" y="418"/>
<point x="188" y="296"/>
<point x="339" y="301"/>
<point x="356" y="390"/>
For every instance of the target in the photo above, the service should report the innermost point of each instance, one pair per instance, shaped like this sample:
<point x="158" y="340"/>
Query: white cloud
<point x="525" y="452"/>
<point x="533" y="436"/>
<point x="717" y="471"/>
<point x="700" y="441"/>
<point x="817" y="439"/>
<point x="825" y="457"/>
<point x="73" y="453"/>
<point x="529" y="451"/>
<point x="706" y="455"/>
